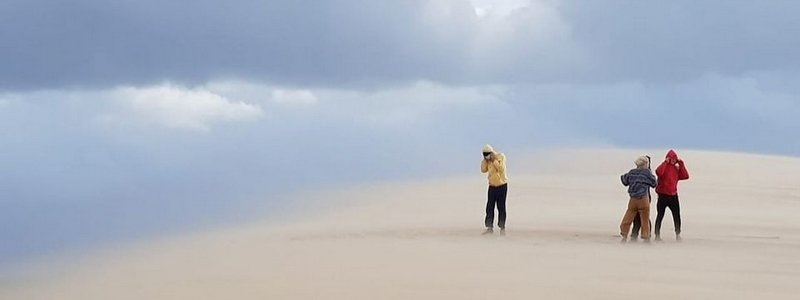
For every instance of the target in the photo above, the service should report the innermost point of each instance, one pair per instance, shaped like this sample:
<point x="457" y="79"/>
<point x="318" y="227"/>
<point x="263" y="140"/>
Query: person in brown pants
<point x="639" y="181"/>
<point x="637" y="223"/>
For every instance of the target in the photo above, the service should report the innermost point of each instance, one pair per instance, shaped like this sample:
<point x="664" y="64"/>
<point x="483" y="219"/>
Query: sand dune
<point x="421" y="240"/>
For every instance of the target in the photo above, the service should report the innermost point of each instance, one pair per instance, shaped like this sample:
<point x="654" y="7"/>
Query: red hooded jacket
<point x="669" y="172"/>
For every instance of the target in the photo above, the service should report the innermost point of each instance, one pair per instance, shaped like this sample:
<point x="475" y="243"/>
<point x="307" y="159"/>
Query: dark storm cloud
<point x="677" y="40"/>
<point x="110" y="42"/>
<point x="52" y="44"/>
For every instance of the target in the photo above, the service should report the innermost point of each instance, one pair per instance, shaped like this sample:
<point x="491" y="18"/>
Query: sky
<point x="128" y="119"/>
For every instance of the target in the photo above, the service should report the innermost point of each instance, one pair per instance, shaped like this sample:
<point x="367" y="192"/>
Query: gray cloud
<point x="368" y="43"/>
<point x="107" y="43"/>
<point x="710" y="112"/>
<point x="677" y="40"/>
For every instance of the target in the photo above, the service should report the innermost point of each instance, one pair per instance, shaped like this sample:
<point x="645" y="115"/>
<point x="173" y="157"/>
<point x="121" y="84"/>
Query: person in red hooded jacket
<point x="669" y="173"/>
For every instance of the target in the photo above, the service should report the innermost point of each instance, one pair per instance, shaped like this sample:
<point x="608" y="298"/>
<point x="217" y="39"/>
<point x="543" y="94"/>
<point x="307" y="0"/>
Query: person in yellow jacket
<point x="494" y="165"/>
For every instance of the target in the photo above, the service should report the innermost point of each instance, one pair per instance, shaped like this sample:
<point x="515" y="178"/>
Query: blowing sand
<point x="421" y="240"/>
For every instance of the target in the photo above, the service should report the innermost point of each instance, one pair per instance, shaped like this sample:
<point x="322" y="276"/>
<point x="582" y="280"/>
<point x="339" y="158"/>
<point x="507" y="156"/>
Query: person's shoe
<point x="678" y="237"/>
<point x="502" y="231"/>
<point x="488" y="231"/>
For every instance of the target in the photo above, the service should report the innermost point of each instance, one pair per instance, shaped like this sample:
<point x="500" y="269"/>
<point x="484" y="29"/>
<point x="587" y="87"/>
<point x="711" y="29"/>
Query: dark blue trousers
<point x="496" y="197"/>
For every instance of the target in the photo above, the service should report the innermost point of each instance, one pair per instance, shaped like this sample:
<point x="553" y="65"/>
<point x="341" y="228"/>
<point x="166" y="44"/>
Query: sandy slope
<point x="420" y="240"/>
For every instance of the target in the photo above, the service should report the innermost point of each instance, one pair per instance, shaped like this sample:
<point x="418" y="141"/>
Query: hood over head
<point x="672" y="154"/>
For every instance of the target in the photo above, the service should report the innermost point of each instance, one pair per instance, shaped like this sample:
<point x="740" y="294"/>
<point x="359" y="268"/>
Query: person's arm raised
<point x="683" y="174"/>
<point x="500" y="163"/>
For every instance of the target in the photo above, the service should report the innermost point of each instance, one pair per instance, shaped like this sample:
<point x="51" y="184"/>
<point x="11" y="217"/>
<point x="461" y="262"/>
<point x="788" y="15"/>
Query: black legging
<point x="665" y="201"/>
<point x="497" y="195"/>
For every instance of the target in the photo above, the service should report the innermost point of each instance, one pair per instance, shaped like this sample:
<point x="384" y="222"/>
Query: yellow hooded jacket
<point x="496" y="169"/>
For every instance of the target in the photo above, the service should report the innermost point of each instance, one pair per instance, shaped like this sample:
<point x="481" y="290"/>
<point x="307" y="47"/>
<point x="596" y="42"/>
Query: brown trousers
<point x="642" y="206"/>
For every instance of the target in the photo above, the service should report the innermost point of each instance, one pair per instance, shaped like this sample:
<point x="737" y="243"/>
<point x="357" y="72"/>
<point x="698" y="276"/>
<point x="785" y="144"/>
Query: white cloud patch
<point x="406" y="106"/>
<point x="175" y="107"/>
<point x="419" y="103"/>
<point x="293" y="97"/>
<point x="8" y="100"/>
<point x="489" y="8"/>
<point x="264" y="94"/>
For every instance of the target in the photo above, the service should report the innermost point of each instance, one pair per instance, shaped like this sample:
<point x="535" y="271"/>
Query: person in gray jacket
<point x="639" y="181"/>
<point x="637" y="223"/>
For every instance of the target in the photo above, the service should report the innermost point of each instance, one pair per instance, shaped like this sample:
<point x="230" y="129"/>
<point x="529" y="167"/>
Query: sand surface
<point x="421" y="240"/>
